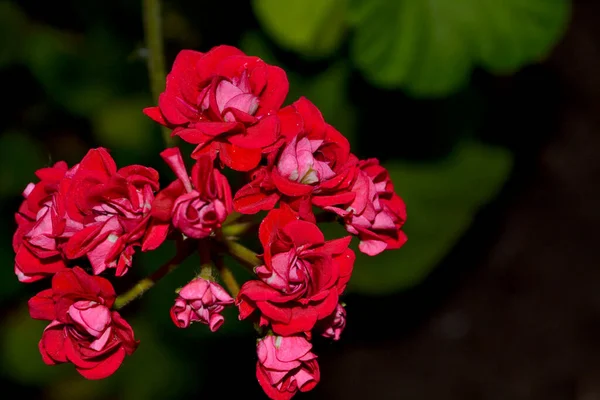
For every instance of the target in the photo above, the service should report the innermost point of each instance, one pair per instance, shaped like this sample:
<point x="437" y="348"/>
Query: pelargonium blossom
<point x="83" y="329"/>
<point x="285" y="366"/>
<point x="41" y="223"/>
<point x="225" y="102"/>
<point x="195" y="206"/>
<point x="302" y="277"/>
<point x="376" y="214"/>
<point x="310" y="168"/>
<point x="113" y="206"/>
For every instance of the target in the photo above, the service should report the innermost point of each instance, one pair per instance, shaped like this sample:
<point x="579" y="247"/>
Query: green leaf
<point x="441" y="201"/>
<point x="429" y="48"/>
<point x="69" y="69"/>
<point x="311" y="27"/>
<point x="152" y="368"/>
<point x="20" y="356"/>
<point x="138" y="381"/>
<point x="121" y="124"/>
<point x="53" y="58"/>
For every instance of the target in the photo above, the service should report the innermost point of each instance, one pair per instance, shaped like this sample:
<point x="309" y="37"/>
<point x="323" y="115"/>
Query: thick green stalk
<point x="237" y="229"/>
<point x="184" y="251"/>
<point x="227" y="277"/>
<point x="243" y="254"/>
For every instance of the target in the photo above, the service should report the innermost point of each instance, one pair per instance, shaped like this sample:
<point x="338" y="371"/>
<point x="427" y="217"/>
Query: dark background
<point x="495" y="295"/>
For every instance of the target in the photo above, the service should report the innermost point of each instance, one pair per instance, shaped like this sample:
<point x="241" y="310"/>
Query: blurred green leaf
<point x="428" y="48"/>
<point x="134" y="379"/>
<point x="328" y="89"/>
<point x="253" y="44"/>
<point x="71" y="71"/>
<point x="122" y="124"/>
<point x="168" y="374"/>
<point x="52" y="57"/>
<point x="441" y="201"/>
<point x="20" y="356"/>
<point x="311" y="27"/>
<point x="75" y="387"/>
<point x="20" y="156"/>
<point x="329" y="92"/>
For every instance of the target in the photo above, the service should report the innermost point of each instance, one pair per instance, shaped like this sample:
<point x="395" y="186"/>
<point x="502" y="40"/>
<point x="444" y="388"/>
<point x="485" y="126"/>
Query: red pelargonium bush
<point x="78" y="222"/>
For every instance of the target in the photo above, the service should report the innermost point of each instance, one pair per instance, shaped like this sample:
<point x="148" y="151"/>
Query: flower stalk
<point x="243" y="254"/>
<point x="237" y="229"/>
<point x="207" y="271"/>
<point x="186" y="248"/>
<point x="227" y="277"/>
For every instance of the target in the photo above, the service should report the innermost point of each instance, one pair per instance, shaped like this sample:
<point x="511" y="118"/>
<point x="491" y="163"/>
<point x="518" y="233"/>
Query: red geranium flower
<point x="84" y="331"/>
<point x="302" y="277"/>
<point x="225" y="102"/>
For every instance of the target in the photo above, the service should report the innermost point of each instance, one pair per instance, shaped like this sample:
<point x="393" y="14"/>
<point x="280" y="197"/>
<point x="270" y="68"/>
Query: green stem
<point x="183" y="252"/>
<point x="207" y="269"/>
<point x="232" y="217"/>
<point x="207" y="272"/>
<point x="237" y="229"/>
<point x="156" y="57"/>
<point x="243" y="254"/>
<point x="227" y="277"/>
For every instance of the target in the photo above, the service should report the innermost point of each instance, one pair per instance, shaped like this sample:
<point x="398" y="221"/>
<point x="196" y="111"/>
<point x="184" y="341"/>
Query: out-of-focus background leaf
<point x="428" y="48"/>
<point x="417" y="84"/>
<point x="443" y="197"/>
<point x="311" y="27"/>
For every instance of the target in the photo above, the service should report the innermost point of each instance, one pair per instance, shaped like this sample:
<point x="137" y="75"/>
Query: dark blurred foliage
<point x="485" y="115"/>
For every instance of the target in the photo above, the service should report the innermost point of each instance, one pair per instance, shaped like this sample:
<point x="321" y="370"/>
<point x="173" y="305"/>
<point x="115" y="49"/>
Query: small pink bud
<point x="335" y="324"/>
<point x="200" y="301"/>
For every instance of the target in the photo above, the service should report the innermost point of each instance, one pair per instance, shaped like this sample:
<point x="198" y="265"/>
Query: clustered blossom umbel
<point x="89" y="219"/>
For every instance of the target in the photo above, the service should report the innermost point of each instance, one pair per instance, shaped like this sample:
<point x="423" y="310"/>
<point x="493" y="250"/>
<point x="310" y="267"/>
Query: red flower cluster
<point x="230" y="106"/>
<point x="91" y="210"/>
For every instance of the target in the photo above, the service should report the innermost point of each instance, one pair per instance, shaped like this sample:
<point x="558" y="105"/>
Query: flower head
<point x="310" y="166"/>
<point x="195" y="206"/>
<point x="285" y="366"/>
<point x="376" y="214"/>
<point x="42" y="225"/>
<point x="83" y="329"/>
<point x="302" y="277"/>
<point x="113" y="206"/>
<point x="225" y="102"/>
